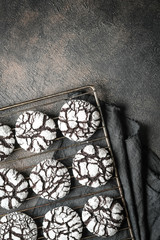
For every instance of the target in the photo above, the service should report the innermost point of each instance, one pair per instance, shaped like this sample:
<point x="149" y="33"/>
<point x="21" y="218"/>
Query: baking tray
<point x="24" y="161"/>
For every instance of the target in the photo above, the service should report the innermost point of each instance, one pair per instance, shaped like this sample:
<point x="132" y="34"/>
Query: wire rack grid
<point x="24" y="161"/>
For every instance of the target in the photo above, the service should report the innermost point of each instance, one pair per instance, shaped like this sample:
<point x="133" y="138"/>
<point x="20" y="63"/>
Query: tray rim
<point x="91" y="87"/>
<point x="46" y="97"/>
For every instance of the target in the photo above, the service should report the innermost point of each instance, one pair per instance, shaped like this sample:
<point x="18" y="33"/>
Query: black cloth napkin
<point x="139" y="171"/>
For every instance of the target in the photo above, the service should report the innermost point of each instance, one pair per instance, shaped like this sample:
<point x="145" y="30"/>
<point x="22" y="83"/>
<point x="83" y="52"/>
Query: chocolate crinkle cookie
<point x="78" y="120"/>
<point x="102" y="216"/>
<point x="92" y="166"/>
<point x="17" y="226"/>
<point x="62" y="223"/>
<point x="50" y="179"/>
<point x="7" y="141"/>
<point x="13" y="188"/>
<point x="35" y="131"/>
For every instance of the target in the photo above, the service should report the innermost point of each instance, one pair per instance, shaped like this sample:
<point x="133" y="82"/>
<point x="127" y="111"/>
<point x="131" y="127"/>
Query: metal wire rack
<point x="24" y="161"/>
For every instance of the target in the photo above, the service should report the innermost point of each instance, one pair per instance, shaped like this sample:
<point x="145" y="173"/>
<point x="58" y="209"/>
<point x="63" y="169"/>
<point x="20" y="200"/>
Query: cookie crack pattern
<point x="50" y="179"/>
<point x="7" y="141"/>
<point x="62" y="223"/>
<point x="78" y="120"/>
<point x="102" y="216"/>
<point x="17" y="226"/>
<point x="13" y="188"/>
<point x="92" y="166"/>
<point x="35" y="131"/>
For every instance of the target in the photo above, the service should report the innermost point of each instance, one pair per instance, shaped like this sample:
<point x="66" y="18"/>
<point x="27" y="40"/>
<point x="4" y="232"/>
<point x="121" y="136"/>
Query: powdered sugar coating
<point x="78" y="120"/>
<point x="13" y="188"/>
<point x="102" y="216"/>
<point x="35" y="131"/>
<point x="62" y="223"/>
<point x="92" y="166"/>
<point x="17" y="226"/>
<point x="50" y="179"/>
<point x="7" y="141"/>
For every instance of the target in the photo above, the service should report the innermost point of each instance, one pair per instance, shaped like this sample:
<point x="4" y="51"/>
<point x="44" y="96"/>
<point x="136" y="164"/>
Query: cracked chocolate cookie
<point x="78" y="120"/>
<point x="62" y="223"/>
<point x="13" y="188"/>
<point x="7" y="141"/>
<point x="50" y="179"/>
<point x="92" y="166"/>
<point x="102" y="216"/>
<point x="17" y="226"/>
<point x="35" y="131"/>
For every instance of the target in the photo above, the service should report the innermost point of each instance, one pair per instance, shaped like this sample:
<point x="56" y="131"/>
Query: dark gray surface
<point x="49" y="46"/>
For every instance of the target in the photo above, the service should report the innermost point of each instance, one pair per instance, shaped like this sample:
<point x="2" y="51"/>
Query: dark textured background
<point x="49" y="46"/>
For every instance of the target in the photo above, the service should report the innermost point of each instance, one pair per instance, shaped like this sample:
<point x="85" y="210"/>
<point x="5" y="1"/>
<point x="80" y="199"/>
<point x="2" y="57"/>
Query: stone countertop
<point x="50" y="46"/>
